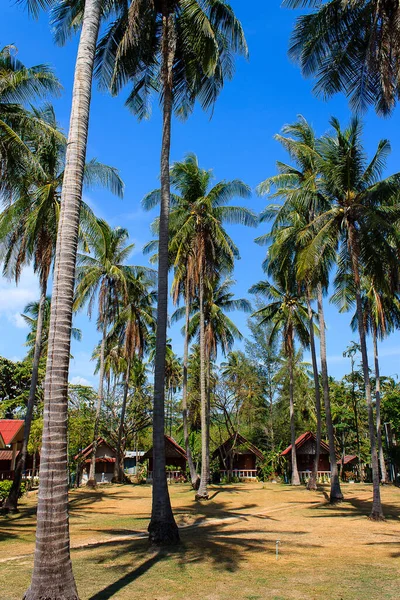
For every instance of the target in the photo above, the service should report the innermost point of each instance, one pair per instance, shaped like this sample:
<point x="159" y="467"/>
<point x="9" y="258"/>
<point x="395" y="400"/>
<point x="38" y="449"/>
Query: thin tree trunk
<point x="118" y="476"/>
<point x="335" y="493"/>
<point x="376" y="512"/>
<point x="384" y="477"/>
<point x="208" y="415"/>
<point x="355" y="411"/>
<point x="312" y="483"/>
<point x="202" y="493"/>
<point x="11" y="504"/>
<point x="295" y="472"/>
<point x="92" y="471"/>
<point x="195" y="479"/>
<point x="162" y="527"/>
<point x="52" y="576"/>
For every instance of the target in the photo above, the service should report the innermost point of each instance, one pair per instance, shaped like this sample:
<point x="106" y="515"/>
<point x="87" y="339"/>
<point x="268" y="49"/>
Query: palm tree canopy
<point x="204" y="38"/>
<point x="350" y="46"/>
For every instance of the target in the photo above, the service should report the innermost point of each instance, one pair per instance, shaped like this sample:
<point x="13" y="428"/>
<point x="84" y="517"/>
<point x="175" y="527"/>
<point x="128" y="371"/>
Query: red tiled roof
<point x="102" y="459"/>
<point x="348" y="459"/>
<point x="86" y="451"/>
<point x="302" y="439"/>
<point x="7" y="454"/>
<point x="9" y="429"/>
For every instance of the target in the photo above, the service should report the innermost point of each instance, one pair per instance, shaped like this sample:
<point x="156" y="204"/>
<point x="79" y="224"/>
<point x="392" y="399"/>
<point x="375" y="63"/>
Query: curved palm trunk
<point x="376" y="513"/>
<point x="335" y="493"/>
<point x="11" y="504"/>
<point x="162" y="527"/>
<point x="202" y="493"/>
<point x="295" y="472"/>
<point x="52" y="576"/>
<point x="118" y="476"/>
<point x="384" y="477"/>
<point x="193" y="474"/>
<point x="312" y="483"/>
<point x="100" y="394"/>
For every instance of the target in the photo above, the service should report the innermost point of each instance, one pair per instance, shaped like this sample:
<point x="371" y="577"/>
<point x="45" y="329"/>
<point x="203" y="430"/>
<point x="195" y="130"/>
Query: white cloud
<point x="13" y="299"/>
<point x="80" y="381"/>
<point x="82" y="367"/>
<point x="18" y="321"/>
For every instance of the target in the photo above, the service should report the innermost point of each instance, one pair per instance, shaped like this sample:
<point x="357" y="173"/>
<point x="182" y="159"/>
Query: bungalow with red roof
<point x="175" y="460"/>
<point x="11" y="438"/>
<point x="105" y="460"/>
<point x="306" y="445"/>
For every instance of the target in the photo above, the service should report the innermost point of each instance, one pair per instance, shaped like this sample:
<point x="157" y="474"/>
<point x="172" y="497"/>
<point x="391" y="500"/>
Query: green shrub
<point x="5" y="487"/>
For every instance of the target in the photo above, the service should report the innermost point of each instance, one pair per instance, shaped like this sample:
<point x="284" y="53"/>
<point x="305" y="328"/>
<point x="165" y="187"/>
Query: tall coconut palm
<point x="28" y="232"/>
<point x="52" y="573"/>
<point x="362" y="208"/>
<point x="135" y="321"/>
<point x="350" y="46"/>
<point x="200" y="241"/>
<point x="219" y="331"/>
<point x="103" y="276"/>
<point x="182" y="50"/>
<point x="289" y="315"/>
<point x="298" y="187"/>
<point x="381" y="316"/>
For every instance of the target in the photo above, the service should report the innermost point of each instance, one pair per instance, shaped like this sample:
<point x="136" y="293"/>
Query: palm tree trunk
<point x="92" y="471"/>
<point x="208" y="415"/>
<point x="193" y="474"/>
<point x="376" y="513"/>
<point x="52" y="576"/>
<point x="202" y="493"/>
<point x="384" y="478"/>
<point x="335" y="493"/>
<point x="162" y="527"/>
<point x="118" y="476"/>
<point x="11" y="504"/>
<point x="312" y="483"/>
<point x="295" y="472"/>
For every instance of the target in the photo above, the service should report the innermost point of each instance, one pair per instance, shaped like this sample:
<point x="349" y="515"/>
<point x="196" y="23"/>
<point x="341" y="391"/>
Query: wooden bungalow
<point x="306" y="445"/>
<point x="105" y="460"/>
<point x="175" y="460"/>
<point x="12" y="436"/>
<point x="348" y="465"/>
<point x="238" y="458"/>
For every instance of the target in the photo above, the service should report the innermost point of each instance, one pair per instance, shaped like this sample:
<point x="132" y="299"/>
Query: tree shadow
<point x="224" y="545"/>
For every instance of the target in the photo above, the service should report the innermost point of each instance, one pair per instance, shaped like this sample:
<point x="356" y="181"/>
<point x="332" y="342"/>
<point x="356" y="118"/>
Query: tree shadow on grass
<point x="358" y="507"/>
<point x="225" y="546"/>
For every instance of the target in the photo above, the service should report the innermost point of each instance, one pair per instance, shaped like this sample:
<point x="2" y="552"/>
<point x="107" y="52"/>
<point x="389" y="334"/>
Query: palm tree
<point x="52" y="572"/>
<point x="351" y="47"/>
<point x="218" y="331"/>
<point x="28" y="231"/>
<point x="289" y="315"/>
<point x="299" y="188"/>
<point x="362" y="208"/>
<point x="200" y="246"/>
<point x="183" y="51"/>
<point x="19" y="87"/>
<point x="132" y="329"/>
<point x="381" y="315"/>
<point x="103" y="275"/>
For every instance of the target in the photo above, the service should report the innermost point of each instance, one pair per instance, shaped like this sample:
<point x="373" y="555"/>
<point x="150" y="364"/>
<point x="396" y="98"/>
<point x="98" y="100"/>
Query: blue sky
<point x="267" y="92"/>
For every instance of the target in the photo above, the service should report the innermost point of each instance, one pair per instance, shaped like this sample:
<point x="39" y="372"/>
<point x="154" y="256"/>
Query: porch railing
<point x="321" y="476"/>
<point x="240" y="473"/>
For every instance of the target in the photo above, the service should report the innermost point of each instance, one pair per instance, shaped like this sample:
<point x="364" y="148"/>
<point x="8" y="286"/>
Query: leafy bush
<point x="5" y="487"/>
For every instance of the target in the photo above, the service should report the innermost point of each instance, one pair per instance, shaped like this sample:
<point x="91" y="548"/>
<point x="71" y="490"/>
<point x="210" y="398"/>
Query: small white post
<point x="277" y="548"/>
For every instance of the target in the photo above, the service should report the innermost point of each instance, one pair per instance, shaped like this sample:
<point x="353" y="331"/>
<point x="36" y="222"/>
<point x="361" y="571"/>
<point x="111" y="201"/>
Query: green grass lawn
<point x="228" y="546"/>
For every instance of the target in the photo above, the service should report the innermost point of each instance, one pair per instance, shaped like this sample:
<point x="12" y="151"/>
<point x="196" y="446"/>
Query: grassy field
<point x="228" y="545"/>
